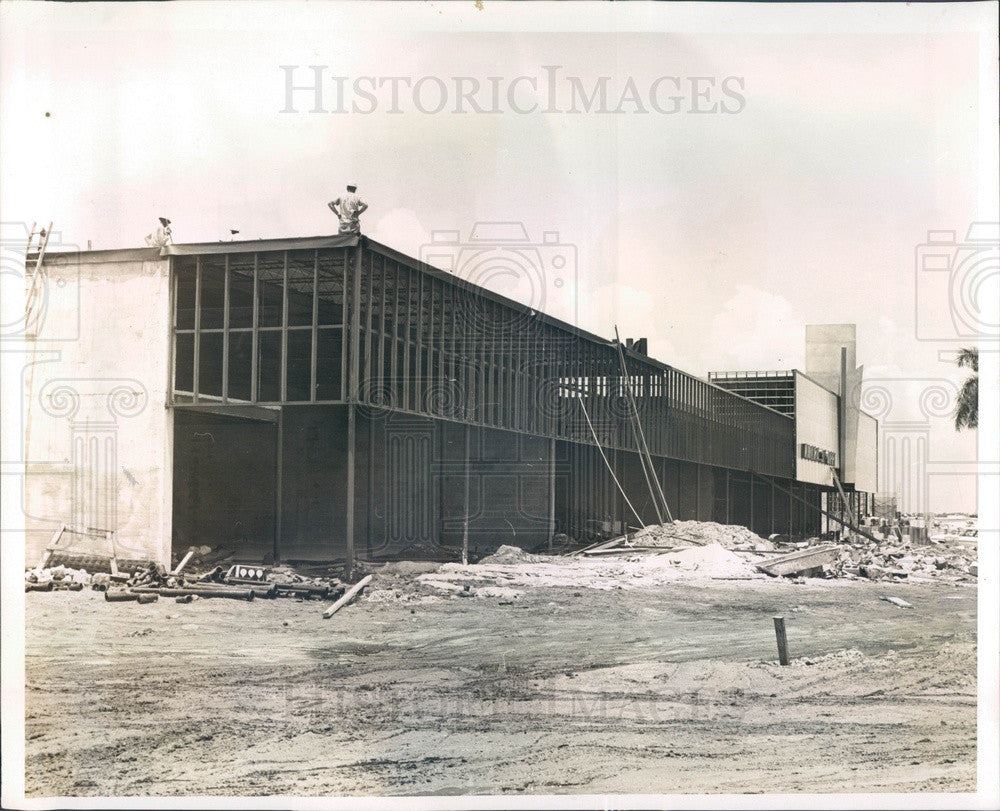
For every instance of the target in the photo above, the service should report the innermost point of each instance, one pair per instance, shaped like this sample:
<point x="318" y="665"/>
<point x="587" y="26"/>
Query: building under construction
<point x="330" y="398"/>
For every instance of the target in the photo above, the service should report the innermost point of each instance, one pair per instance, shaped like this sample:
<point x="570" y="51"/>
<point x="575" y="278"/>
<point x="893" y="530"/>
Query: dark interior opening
<point x="224" y="484"/>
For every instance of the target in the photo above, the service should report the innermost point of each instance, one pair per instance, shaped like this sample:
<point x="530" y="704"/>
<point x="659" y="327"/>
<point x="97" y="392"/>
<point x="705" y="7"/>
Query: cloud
<point x="755" y="329"/>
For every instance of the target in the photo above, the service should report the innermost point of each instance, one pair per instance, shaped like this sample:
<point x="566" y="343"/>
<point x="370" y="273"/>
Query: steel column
<point x="352" y="405"/>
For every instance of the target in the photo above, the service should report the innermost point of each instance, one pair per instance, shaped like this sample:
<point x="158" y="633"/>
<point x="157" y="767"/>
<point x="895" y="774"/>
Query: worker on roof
<point x="161" y="236"/>
<point x="349" y="208"/>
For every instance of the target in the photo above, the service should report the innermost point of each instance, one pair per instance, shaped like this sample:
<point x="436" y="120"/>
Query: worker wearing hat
<point x="161" y="236"/>
<point x="349" y="208"/>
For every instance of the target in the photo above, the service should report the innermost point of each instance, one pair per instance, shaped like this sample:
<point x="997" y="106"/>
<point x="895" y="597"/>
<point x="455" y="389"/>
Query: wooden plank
<point x="628" y="550"/>
<point x="184" y="562"/>
<point x="602" y="545"/>
<point x="47" y="553"/>
<point x="110" y="535"/>
<point x="348" y="597"/>
<point x="782" y="638"/>
<point x="843" y="497"/>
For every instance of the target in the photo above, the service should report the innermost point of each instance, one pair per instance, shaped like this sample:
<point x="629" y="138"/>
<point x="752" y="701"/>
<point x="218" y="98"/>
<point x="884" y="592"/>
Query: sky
<point x="784" y="173"/>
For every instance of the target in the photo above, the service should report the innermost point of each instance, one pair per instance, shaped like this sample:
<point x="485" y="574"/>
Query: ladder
<point x="43" y="243"/>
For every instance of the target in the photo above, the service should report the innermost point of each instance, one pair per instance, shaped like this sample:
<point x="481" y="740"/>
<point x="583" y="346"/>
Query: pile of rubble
<point x="512" y="555"/>
<point x="699" y="533"/>
<point x="147" y="584"/>
<point x="58" y="578"/>
<point x="779" y="556"/>
<point x="657" y="538"/>
<point x="898" y="562"/>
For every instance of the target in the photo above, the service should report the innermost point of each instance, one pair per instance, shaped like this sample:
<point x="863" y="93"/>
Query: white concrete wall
<point x="823" y="345"/>
<point x="866" y="454"/>
<point x="97" y="435"/>
<point x="815" y="424"/>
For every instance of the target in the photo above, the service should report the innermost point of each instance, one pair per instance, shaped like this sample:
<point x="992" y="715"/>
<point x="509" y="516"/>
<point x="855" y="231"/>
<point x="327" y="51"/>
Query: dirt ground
<point x="664" y="689"/>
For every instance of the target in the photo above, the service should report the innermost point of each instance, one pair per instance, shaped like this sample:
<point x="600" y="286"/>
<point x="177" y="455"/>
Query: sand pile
<point x="698" y="533"/>
<point x="512" y="555"/>
<point x="712" y="560"/>
<point x="520" y="570"/>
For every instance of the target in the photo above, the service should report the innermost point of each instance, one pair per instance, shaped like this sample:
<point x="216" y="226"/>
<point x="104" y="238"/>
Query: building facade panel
<point x="97" y="440"/>
<point x="816" y="432"/>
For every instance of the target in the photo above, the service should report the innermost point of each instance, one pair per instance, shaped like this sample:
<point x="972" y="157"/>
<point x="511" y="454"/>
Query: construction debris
<point x="679" y="535"/>
<point x="652" y="556"/>
<point x="857" y="557"/>
<point x="153" y="580"/>
<point x="508" y="555"/>
<point x="801" y="561"/>
<point x="896" y="601"/>
<point x="120" y="596"/>
<point x="348" y="598"/>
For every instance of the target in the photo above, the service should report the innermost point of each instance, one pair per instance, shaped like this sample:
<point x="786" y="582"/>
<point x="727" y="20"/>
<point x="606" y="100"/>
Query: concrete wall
<point x="857" y="448"/>
<point x="823" y="345"/>
<point x="815" y="424"/>
<point x="97" y="437"/>
<point x="866" y="454"/>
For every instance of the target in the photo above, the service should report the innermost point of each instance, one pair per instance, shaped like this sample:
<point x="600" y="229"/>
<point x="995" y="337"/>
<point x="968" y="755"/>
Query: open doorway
<point x="224" y="484"/>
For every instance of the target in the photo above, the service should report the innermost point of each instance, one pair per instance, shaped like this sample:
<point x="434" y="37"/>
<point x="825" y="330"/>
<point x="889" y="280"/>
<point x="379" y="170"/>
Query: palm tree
<point x="967" y="408"/>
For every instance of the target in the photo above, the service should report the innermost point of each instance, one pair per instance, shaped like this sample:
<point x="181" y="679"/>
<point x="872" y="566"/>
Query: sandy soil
<point x="555" y="689"/>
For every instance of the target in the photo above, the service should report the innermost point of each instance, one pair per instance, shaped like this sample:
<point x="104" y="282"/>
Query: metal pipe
<point x="266" y="591"/>
<point x="233" y="594"/>
<point x="120" y="596"/>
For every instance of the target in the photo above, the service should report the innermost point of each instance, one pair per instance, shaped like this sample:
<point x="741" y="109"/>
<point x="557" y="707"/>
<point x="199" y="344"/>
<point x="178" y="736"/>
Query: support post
<point x="779" y="633"/>
<point x="465" y="522"/>
<point x="195" y="382"/>
<point x="817" y="508"/>
<point x="728" y="499"/>
<point x="552" y="492"/>
<point x="352" y="406"/>
<point x="349" y="513"/>
<point x="225" y="331"/>
<point x="278" y="483"/>
<point x="772" y="509"/>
